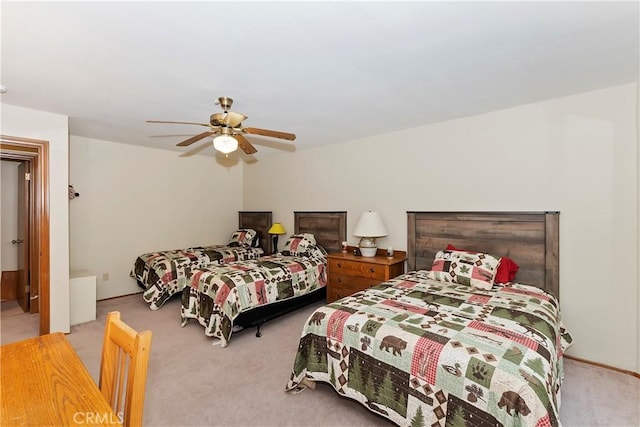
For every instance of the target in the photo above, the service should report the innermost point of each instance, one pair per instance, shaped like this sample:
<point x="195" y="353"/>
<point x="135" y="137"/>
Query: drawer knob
<point x="372" y="270"/>
<point x="339" y="280"/>
<point x="339" y="265"/>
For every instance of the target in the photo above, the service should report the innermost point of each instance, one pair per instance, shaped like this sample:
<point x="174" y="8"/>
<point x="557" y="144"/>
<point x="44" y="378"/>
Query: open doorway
<point x="32" y="271"/>
<point x="17" y="208"/>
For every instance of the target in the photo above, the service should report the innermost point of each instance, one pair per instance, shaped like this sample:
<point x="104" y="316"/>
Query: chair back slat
<point x="122" y="355"/>
<point x="123" y="368"/>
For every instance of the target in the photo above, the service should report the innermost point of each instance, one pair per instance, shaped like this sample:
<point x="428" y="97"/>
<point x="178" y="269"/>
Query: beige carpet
<point x="194" y="383"/>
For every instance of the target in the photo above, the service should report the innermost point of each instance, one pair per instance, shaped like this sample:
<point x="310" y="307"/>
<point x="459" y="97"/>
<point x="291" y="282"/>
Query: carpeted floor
<point x="194" y="383"/>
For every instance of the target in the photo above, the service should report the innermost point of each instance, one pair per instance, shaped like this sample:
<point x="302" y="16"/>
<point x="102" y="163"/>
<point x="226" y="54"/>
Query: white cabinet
<point x="82" y="297"/>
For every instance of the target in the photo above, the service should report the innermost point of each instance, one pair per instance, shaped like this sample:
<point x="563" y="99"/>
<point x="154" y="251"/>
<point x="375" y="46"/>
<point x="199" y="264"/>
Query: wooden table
<point x="44" y="383"/>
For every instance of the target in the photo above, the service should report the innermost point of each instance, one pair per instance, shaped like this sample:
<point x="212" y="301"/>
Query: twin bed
<point x="443" y="344"/>
<point x="248" y="293"/>
<point x="163" y="274"/>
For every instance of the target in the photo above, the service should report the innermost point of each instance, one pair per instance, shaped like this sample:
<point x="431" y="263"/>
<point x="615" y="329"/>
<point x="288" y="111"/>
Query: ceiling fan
<point x="228" y="126"/>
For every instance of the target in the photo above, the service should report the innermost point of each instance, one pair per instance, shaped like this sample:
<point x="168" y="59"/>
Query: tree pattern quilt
<point x="421" y="352"/>
<point x="166" y="273"/>
<point x="219" y="294"/>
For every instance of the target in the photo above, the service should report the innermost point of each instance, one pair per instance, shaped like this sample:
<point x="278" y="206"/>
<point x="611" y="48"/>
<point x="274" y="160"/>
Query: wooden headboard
<point x="531" y="239"/>
<point x="261" y="222"/>
<point x="329" y="228"/>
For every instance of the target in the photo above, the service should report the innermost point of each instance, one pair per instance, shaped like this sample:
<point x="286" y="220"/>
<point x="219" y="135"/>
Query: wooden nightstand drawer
<point x="352" y="282"/>
<point x="354" y="268"/>
<point x="336" y="292"/>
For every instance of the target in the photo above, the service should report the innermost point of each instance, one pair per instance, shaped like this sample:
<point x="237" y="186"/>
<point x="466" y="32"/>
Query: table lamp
<point x="275" y="230"/>
<point x="368" y="229"/>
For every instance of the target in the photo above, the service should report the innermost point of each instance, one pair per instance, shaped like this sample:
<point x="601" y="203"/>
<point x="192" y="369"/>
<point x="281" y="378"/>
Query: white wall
<point x="135" y="200"/>
<point x="27" y="123"/>
<point x="638" y="213"/>
<point x="9" y="214"/>
<point x="576" y="154"/>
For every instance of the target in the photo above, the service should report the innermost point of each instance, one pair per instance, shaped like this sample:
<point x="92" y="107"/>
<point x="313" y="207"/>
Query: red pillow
<point x="507" y="268"/>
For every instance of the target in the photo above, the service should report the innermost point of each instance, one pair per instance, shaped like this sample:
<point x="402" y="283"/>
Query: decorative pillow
<point x="507" y="268"/>
<point x="318" y="252"/>
<point x="440" y="276"/>
<point x="298" y="244"/>
<point x="243" y="237"/>
<point x="475" y="269"/>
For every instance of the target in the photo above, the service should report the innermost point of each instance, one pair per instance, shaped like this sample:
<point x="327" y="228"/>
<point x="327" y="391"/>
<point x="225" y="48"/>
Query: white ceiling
<point x="327" y="71"/>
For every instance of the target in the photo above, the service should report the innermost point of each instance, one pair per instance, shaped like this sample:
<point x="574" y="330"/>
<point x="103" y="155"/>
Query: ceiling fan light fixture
<point x="225" y="144"/>
<point x="228" y="125"/>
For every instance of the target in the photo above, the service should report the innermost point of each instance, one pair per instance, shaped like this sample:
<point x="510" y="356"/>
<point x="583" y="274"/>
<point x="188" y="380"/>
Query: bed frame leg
<point x="258" y="333"/>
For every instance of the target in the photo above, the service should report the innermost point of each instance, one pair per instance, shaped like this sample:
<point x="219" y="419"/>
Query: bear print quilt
<point x="422" y="352"/>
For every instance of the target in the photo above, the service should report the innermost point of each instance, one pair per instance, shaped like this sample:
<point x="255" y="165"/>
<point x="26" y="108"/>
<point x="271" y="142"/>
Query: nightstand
<point x="349" y="273"/>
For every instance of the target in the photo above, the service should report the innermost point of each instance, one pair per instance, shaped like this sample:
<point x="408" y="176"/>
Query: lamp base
<point x="368" y="246"/>
<point x="368" y="252"/>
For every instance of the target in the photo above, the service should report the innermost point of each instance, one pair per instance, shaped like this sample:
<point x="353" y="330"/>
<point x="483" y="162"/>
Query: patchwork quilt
<point x="165" y="273"/>
<point x="219" y="294"/>
<point x="421" y="352"/>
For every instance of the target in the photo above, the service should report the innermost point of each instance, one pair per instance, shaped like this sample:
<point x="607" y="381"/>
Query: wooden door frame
<point x="37" y="151"/>
<point x="25" y="215"/>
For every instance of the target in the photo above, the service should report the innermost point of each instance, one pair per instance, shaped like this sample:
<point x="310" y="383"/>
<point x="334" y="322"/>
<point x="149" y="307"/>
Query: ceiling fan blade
<point x="179" y="123"/>
<point x="196" y="138"/>
<point x="244" y="144"/>
<point x="271" y="133"/>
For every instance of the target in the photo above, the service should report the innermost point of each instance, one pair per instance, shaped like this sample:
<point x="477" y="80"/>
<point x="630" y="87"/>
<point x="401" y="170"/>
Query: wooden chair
<point x="125" y="354"/>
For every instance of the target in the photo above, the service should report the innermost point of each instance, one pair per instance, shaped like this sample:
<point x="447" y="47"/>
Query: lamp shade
<point x="370" y="225"/>
<point x="277" y="228"/>
<point x="225" y="144"/>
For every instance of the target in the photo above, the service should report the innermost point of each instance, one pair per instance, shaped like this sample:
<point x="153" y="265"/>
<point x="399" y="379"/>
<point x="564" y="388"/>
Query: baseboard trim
<point x="602" y="365"/>
<point x="120" y="296"/>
